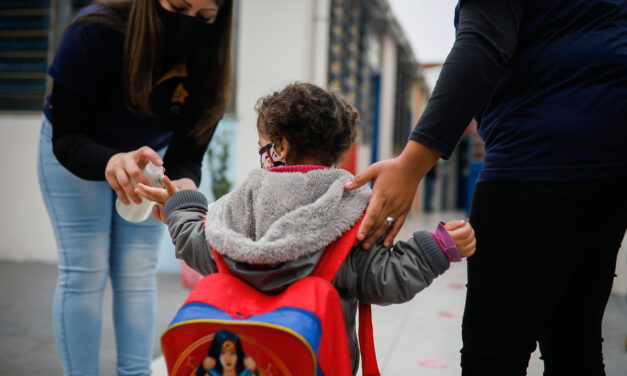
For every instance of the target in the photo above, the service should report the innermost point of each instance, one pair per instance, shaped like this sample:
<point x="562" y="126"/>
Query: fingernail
<point x="386" y="244"/>
<point x="159" y="161"/>
<point x="361" y="236"/>
<point x="349" y="184"/>
<point x="366" y="245"/>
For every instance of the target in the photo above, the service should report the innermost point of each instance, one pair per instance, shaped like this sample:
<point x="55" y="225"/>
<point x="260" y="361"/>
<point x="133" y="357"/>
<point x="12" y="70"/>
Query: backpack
<point x="227" y="323"/>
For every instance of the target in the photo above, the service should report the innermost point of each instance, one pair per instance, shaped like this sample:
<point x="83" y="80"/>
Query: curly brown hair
<point x="317" y="123"/>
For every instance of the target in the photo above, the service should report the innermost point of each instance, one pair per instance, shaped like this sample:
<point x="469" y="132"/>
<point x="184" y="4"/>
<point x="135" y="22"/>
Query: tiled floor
<point x="426" y="328"/>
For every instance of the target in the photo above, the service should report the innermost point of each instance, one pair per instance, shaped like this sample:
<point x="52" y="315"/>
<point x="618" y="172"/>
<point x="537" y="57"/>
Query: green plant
<point x="218" y="159"/>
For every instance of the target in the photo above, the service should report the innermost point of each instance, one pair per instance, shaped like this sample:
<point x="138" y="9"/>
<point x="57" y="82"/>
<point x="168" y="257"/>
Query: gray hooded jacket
<point x="284" y="221"/>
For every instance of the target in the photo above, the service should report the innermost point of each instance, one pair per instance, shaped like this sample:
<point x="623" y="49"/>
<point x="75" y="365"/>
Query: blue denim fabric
<point x="94" y="243"/>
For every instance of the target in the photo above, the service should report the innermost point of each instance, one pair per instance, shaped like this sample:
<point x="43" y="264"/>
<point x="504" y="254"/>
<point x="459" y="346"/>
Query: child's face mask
<point x="269" y="157"/>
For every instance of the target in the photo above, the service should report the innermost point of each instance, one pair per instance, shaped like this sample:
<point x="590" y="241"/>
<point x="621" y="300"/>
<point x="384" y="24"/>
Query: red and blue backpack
<point x="298" y="332"/>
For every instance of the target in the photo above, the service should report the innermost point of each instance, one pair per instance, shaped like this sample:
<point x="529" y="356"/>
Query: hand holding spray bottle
<point x="140" y="212"/>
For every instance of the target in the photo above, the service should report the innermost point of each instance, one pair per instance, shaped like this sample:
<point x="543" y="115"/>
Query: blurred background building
<point x="383" y="55"/>
<point x="359" y="48"/>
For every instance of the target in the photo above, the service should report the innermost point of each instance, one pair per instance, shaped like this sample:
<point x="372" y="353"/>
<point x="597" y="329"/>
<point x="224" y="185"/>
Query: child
<point x="273" y="229"/>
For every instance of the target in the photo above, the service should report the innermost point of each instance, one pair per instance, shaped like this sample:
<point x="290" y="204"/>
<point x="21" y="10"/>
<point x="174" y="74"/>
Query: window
<point x="24" y="45"/>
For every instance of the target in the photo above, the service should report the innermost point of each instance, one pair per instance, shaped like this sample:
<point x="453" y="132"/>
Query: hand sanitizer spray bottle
<point x="139" y="213"/>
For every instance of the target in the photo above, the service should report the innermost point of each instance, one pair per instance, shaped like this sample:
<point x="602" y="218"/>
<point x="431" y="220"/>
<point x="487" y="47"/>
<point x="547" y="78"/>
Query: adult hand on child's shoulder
<point x="395" y="184"/>
<point x="464" y="237"/>
<point x="393" y="191"/>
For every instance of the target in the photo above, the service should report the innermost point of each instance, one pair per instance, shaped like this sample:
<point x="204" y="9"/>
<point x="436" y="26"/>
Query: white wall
<point x="319" y="33"/>
<point x="279" y="43"/>
<point x="388" y="97"/>
<point x="25" y="228"/>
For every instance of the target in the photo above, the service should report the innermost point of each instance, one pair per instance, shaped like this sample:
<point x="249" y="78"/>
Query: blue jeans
<point x="94" y="243"/>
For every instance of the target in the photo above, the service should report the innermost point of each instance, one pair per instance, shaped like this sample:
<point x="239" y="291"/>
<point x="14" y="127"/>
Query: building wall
<point x="388" y="96"/>
<point x="279" y="42"/>
<point x="25" y="228"/>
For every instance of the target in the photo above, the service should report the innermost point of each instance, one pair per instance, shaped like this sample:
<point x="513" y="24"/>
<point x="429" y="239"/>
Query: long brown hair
<point x="138" y="20"/>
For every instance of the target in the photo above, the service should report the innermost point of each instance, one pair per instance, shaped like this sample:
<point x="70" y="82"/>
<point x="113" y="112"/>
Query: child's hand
<point x="463" y="235"/>
<point x="158" y="195"/>
<point x="158" y="211"/>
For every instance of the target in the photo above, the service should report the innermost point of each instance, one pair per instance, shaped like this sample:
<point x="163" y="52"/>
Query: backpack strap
<point x="369" y="364"/>
<point x="336" y="253"/>
<point x="327" y="268"/>
<point x="222" y="267"/>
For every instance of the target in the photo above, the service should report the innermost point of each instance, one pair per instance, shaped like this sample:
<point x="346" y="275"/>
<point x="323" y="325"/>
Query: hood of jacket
<point x="281" y="216"/>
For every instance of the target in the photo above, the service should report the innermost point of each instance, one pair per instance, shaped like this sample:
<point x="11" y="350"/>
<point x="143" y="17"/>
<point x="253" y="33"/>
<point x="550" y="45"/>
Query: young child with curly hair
<point x="273" y="229"/>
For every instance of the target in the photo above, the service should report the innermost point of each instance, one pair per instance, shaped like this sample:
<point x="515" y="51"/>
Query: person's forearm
<point x="74" y="149"/>
<point x="82" y="156"/>
<point x="418" y="158"/>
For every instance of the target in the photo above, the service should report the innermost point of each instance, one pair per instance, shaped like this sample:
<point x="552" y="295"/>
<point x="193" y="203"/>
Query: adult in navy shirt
<point x="133" y="81"/>
<point x="547" y="83"/>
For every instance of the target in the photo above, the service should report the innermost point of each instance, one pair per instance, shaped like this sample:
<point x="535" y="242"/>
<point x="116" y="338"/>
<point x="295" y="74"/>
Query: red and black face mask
<point x="268" y="157"/>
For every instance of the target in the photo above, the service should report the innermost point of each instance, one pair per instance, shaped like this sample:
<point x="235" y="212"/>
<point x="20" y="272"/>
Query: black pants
<point x="543" y="271"/>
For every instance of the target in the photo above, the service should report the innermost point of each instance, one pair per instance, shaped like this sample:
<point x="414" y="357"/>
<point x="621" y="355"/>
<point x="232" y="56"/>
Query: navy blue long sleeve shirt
<point x="547" y="83"/>
<point x="90" y="120"/>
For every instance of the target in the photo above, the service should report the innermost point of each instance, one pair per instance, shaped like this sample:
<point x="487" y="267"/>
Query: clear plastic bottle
<point x="139" y="213"/>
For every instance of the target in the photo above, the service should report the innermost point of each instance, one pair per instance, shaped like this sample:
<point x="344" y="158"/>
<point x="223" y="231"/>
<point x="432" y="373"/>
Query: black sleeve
<point x="74" y="149"/>
<point x="87" y="159"/>
<point x="486" y="40"/>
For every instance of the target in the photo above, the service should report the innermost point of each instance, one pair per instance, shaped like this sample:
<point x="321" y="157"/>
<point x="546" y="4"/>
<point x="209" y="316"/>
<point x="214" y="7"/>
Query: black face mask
<point x="182" y="34"/>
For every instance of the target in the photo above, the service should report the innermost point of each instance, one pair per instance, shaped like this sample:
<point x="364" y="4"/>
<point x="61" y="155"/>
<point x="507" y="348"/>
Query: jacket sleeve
<point x="388" y="276"/>
<point x="185" y="212"/>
